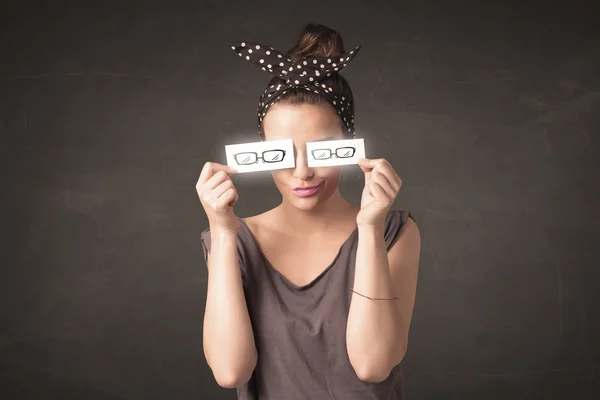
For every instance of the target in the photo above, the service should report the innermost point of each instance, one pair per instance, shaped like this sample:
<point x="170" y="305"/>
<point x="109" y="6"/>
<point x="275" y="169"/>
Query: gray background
<point x="488" y="111"/>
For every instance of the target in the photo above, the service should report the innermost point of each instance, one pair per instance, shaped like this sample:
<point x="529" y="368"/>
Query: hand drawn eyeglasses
<point x="250" y="157"/>
<point x="340" y="152"/>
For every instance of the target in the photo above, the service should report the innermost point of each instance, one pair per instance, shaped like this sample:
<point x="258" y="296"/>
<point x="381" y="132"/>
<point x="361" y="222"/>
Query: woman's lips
<point x="306" y="191"/>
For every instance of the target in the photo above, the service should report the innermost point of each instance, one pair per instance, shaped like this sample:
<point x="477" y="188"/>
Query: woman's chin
<point x="303" y="203"/>
<point x="306" y="203"/>
<point x="310" y="203"/>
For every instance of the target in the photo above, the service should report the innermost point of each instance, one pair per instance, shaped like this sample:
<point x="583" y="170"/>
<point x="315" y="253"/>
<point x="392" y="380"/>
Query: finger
<point x="364" y="164"/>
<point x="367" y="173"/>
<point x="234" y="201"/>
<point x="220" y="197"/>
<point x="216" y="180"/>
<point x="210" y="168"/>
<point x="228" y="198"/>
<point x="369" y="162"/>
<point x="364" y="169"/>
<point x="207" y="171"/>
<point x="378" y="192"/>
<point x="380" y="178"/>
<point x="390" y="173"/>
<point x="222" y="188"/>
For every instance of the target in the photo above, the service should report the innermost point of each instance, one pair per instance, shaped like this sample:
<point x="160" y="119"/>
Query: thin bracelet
<point x="372" y="298"/>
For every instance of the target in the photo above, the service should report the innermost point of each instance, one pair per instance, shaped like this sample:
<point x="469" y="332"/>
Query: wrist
<point x="223" y="232"/>
<point x="374" y="223"/>
<point x="375" y="228"/>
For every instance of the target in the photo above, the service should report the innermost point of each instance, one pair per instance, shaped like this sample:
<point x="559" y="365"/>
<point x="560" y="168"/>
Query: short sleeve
<point x="394" y="223"/>
<point x="205" y="239"/>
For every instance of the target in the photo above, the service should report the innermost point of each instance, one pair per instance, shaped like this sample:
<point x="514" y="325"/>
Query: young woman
<point x="312" y="299"/>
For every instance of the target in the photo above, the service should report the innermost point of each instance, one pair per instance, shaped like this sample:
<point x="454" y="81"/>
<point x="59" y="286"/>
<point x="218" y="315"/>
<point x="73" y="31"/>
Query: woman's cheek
<point x="330" y="173"/>
<point x="280" y="178"/>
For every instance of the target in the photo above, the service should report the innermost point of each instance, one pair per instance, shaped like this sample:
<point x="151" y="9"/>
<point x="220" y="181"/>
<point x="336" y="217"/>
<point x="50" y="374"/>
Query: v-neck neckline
<point x="283" y="277"/>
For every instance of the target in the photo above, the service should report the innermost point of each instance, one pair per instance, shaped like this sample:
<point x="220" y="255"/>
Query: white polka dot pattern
<point x="307" y="72"/>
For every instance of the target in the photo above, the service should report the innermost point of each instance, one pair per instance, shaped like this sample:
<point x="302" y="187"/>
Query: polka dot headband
<point x="309" y="73"/>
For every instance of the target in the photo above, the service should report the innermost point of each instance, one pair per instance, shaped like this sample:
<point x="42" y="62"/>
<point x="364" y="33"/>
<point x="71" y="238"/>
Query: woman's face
<point x="304" y="123"/>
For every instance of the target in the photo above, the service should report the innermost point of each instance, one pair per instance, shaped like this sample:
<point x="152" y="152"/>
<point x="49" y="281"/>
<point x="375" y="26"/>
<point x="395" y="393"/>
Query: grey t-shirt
<point x="300" y="331"/>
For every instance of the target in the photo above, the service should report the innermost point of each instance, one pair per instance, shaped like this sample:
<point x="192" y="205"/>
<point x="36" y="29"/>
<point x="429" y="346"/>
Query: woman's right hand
<point x="218" y="196"/>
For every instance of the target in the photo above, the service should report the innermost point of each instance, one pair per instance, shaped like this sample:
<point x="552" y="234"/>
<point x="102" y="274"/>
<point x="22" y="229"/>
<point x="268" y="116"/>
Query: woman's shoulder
<point x="399" y="214"/>
<point x="396" y="222"/>
<point x="254" y="221"/>
<point x="398" y="219"/>
<point x="260" y="222"/>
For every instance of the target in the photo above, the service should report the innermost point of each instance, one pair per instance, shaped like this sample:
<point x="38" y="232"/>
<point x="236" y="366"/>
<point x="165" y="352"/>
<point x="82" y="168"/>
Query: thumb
<point x="366" y="165"/>
<point x="229" y="170"/>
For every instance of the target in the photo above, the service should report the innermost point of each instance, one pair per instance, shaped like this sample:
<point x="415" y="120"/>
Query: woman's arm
<point x="229" y="345"/>
<point x="377" y="330"/>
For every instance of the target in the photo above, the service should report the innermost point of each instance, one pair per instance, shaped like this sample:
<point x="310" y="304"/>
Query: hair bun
<point x="317" y="41"/>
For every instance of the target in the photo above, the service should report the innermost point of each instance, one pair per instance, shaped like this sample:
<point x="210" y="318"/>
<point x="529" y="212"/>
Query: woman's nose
<point x="302" y="171"/>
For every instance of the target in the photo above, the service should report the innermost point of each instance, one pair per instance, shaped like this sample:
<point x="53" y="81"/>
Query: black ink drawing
<point x="341" y="152"/>
<point x="250" y="157"/>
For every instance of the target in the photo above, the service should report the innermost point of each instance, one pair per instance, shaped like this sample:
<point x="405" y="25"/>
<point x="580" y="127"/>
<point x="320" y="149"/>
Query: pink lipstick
<point x="306" y="191"/>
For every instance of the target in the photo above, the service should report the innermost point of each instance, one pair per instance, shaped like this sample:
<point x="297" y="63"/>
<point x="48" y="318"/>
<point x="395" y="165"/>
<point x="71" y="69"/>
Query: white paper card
<point x="261" y="156"/>
<point x="335" y="152"/>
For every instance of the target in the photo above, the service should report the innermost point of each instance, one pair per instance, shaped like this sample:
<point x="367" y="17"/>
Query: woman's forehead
<point x="302" y="123"/>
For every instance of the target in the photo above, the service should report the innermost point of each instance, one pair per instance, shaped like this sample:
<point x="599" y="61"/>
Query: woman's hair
<point x="315" y="41"/>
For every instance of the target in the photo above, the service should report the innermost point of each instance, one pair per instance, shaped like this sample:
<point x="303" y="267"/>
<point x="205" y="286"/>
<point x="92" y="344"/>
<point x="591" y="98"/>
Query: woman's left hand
<point x="382" y="185"/>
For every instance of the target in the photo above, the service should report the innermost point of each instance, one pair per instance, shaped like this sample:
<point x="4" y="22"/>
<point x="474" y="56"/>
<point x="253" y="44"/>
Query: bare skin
<point x="321" y="223"/>
<point x="309" y="231"/>
<point x="286" y="247"/>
